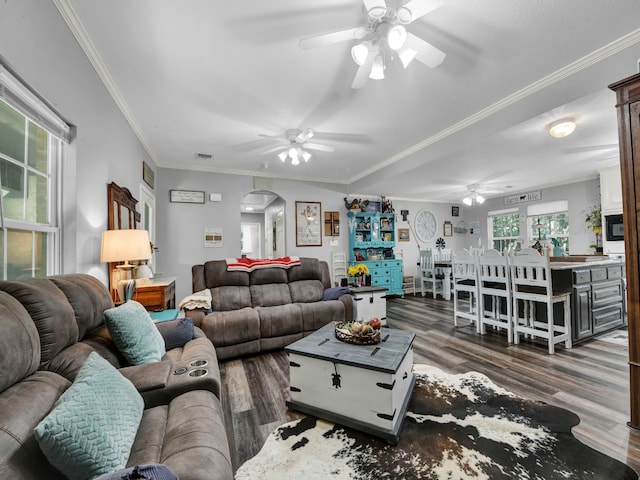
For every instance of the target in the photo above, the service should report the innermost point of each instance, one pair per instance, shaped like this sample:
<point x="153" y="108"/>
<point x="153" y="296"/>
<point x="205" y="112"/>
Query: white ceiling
<point x="202" y="76"/>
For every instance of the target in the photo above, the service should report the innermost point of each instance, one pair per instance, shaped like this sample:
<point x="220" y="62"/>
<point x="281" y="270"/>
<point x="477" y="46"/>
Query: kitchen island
<point x="597" y="294"/>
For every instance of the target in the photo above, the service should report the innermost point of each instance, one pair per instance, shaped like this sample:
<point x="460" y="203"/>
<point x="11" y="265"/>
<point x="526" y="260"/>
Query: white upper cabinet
<point x="611" y="190"/>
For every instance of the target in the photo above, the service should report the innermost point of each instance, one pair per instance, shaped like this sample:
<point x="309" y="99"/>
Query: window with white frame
<point x="548" y="223"/>
<point x="504" y="229"/>
<point x="30" y="159"/>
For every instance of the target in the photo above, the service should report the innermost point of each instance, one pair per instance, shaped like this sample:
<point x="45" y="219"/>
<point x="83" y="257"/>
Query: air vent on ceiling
<point x="204" y="156"/>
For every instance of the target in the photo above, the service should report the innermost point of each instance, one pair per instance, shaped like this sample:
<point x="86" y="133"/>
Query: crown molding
<point x="73" y="21"/>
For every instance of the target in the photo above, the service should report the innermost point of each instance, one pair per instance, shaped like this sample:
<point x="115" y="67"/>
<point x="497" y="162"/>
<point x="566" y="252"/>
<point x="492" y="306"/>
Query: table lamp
<point x="124" y="246"/>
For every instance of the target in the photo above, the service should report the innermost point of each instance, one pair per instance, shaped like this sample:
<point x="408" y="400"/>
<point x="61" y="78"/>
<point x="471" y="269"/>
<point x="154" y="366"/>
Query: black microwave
<point x="614" y="228"/>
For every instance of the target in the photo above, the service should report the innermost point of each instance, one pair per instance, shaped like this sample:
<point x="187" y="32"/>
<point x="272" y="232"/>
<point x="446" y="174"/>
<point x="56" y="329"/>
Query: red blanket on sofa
<point x="250" y="264"/>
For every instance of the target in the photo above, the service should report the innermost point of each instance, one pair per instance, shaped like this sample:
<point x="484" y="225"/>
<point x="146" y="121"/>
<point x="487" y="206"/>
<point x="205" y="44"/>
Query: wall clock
<point x="425" y="225"/>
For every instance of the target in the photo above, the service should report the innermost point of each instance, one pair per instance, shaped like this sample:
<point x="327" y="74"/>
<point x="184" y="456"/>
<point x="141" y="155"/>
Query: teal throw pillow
<point x="134" y="333"/>
<point x="92" y="426"/>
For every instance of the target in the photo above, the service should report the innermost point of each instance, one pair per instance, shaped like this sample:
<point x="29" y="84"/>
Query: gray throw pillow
<point x="152" y="471"/>
<point x="176" y="332"/>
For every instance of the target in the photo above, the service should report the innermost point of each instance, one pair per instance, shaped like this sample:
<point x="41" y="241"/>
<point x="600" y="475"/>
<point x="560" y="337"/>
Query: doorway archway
<point x="262" y="220"/>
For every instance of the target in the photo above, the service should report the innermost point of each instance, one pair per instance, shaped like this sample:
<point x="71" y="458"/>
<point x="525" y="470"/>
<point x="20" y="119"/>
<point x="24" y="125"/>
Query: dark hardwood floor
<point x="591" y="379"/>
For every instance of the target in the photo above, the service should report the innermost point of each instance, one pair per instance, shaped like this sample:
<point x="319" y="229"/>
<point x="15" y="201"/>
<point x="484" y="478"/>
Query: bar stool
<point x="494" y="291"/>
<point x="465" y="279"/>
<point x="531" y="285"/>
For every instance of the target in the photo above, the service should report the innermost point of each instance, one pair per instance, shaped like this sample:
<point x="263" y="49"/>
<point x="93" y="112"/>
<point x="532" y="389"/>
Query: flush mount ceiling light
<point x="383" y="38"/>
<point x="562" y="128"/>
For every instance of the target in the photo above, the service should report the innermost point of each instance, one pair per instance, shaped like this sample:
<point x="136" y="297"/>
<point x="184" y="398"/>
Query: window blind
<point x="32" y="105"/>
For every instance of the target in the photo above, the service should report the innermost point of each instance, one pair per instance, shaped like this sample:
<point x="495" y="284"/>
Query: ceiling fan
<point x="384" y="37"/>
<point x="294" y="145"/>
<point x="474" y="195"/>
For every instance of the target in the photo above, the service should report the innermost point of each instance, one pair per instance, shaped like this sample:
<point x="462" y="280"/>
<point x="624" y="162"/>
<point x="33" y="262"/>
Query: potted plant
<point x="594" y="222"/>
<point x="358" y="272"/>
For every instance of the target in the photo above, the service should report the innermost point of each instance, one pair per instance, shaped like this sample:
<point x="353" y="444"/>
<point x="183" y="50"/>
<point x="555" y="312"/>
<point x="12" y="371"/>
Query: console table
<point x="159" y="294"/>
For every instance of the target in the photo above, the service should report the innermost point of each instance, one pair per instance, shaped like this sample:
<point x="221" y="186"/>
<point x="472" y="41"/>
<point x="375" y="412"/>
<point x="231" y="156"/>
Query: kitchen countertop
<point x="592" y="263"/>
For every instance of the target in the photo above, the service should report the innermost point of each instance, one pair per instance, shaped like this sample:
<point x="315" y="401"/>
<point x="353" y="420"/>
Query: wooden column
<point x="628" y="107"/>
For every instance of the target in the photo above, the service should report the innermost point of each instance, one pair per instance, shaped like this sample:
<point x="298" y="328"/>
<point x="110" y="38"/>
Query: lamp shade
<point x="125" y="245"/>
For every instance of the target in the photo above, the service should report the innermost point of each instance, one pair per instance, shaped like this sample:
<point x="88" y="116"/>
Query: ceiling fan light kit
<point x="473" y="198"/>
<point x="562" y="128"/>
<point x="295" y="144"/>
<point x="377" y="70"/>
<point x="360" y="52"/>
<point x="384" y="37"/>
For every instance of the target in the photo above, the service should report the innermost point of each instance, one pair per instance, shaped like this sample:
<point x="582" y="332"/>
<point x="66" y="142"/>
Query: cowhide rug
<point x="458" y="427"/>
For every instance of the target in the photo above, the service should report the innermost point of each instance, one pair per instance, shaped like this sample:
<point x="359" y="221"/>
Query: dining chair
<point x="428" y="280"/>
<point x="531" y="286"/>
<point x="442" y="265"/>
<point x="339" y="266"/>
<point x="465" y="281"/>
<point x="408" y="281"/>
<point x="494" y="292"/>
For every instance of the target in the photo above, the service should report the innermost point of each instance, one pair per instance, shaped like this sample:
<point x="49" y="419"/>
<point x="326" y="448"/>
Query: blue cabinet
<point x="372" y="237"/>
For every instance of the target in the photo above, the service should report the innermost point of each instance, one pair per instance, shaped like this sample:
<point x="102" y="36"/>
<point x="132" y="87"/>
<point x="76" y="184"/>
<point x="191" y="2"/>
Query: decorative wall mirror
<point x="122" y="208"/>
<point x="122" y="215"/>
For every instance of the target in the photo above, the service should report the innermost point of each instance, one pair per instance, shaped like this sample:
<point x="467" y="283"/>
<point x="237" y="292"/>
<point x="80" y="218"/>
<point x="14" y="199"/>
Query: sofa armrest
<point x="196" y="316"/>
<point x="347" y="300"/>
<point x="148" y="376"/>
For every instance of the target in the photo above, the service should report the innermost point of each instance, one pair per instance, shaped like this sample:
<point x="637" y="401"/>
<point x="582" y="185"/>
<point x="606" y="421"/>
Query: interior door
<point x="148" y="218"/>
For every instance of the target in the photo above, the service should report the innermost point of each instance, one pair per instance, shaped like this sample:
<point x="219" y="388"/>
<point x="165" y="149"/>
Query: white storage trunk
<point x="367" y="387"/>
<point x="370" y="302"/>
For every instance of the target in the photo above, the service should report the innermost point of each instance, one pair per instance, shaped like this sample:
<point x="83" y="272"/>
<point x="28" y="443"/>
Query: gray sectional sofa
<point x="49" y="328"/>
<point x="265" y="309"/>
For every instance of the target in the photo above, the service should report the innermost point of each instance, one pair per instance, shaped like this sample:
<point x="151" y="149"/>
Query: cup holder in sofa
<point x="198" y="372"/>
<point x="180" y="371"/>
<point x="199" y="363"/>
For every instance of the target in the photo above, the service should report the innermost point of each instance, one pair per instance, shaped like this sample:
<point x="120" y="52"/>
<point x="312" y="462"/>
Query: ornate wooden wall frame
<point x="122" y="208"/>
<point x="122" y="215"/>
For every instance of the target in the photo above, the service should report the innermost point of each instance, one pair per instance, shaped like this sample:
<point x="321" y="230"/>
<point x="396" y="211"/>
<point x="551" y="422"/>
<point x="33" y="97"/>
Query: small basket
<point x="368" y="339"/>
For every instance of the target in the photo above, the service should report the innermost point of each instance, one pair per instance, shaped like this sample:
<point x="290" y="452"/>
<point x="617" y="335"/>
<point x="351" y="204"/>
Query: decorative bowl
<point x="344" y="334"/>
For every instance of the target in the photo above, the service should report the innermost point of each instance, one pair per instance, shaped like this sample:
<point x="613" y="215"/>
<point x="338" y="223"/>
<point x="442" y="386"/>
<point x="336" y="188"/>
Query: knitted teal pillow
<point x="92" y="426"/>
<point x="134" y="333"/>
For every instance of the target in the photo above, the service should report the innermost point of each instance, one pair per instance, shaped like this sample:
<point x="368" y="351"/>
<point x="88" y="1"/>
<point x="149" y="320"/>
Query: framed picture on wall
<point x="308" y="231"/>
<point x="403" y="234"/>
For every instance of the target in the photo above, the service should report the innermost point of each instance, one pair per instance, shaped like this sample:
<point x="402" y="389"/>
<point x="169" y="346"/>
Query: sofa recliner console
<point x="49" y="327"/>
<point x="267" y="308"/>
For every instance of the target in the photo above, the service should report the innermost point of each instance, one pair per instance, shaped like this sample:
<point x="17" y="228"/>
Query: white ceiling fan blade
<point x="318" y="146"/>
<point x="415" y="9"/>
<point x="275" y="138"/>
<point x="375" y="8"/>
<point x="305" y="135"/>
<point x="273" y="149"/>
<point x="334" y="37"/>
<point x="427" y="53"/>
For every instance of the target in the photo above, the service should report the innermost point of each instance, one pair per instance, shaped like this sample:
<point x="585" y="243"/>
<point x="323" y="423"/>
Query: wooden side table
<point x="159" y="294"/>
